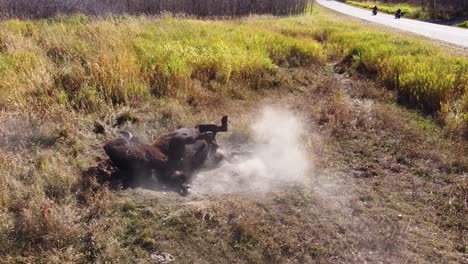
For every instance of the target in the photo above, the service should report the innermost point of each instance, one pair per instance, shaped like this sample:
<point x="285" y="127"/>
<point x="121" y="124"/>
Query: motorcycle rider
<point x="398" y="14"/>
<point x="374" y="10"/>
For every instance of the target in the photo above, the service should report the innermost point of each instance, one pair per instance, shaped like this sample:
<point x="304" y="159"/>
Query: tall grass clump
<point x="463" y="25"/>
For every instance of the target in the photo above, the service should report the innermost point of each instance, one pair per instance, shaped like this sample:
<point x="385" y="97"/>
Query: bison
<point x="173" y="157"/>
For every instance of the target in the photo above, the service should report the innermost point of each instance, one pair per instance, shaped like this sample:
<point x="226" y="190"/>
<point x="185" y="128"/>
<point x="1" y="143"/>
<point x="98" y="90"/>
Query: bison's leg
<point x="183" y="137"/>
<point x="200" y="155"/>
<point x="216" y="156"/>
<point x="224" y="124"/>
<point x="182" y="179"/>
<point x="193" y="159"/>
<point x="214" y="128"/>
<point x="186" y="136"/>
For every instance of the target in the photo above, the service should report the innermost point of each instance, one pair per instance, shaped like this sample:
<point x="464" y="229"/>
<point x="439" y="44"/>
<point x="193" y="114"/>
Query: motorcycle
<point x="397" y="14"/>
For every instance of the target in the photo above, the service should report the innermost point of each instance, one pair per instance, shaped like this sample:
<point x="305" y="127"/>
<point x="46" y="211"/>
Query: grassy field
<point x="63" y="78"/>
<point x="83" y="64"/>
<point x="407" y="10"/>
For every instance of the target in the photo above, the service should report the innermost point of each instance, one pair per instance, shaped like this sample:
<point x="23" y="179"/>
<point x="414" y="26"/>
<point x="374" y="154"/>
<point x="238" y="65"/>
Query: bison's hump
<point x="125" y="154"/>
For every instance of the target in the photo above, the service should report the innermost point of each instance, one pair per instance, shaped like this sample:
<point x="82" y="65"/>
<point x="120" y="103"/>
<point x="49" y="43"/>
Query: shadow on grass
<point x="104" y="173"/>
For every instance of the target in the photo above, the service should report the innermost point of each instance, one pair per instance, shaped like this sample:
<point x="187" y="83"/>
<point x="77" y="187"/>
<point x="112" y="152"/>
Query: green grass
<point x="83" y="63"/>
<point x="425" y="76"/>
<point x="463" y="25"/>
<point x="407" y="10"/>
<point x="80" y="63"/>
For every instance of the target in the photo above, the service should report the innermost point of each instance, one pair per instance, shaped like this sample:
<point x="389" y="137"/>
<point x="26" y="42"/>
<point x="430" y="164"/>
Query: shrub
<point x="463" y="24"/>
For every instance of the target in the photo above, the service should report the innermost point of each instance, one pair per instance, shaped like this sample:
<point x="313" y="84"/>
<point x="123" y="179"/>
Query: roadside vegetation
<point x="407" y="10"/>
<point x="422" y="9"/>
<point x="463" y="25"/>
<point x="69" y="83"/>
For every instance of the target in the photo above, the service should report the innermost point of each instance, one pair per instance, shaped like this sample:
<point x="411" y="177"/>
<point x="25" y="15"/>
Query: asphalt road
<point x="453" y="35"/>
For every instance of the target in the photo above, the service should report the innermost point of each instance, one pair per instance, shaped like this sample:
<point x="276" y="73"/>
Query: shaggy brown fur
<point x="173" y="156"/>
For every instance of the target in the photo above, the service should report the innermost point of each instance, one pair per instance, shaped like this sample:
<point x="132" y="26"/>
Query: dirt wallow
<point x="173" y="159"/>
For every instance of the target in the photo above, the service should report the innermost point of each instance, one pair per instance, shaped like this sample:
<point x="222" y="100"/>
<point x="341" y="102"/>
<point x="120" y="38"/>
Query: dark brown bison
<point x="173" y="157"/>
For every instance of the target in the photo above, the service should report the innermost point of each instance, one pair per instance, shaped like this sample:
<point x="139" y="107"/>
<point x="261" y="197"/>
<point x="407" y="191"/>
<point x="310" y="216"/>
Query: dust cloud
<point x="274" y="157"/>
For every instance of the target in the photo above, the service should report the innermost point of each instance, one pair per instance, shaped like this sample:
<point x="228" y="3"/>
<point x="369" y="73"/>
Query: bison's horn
<point x="127" y="135"/>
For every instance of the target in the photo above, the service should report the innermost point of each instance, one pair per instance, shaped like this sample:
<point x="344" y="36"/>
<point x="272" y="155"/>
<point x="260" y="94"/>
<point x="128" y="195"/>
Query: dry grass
<point x="303" y="224"/>
<point x="385" y="178"/>
<point x="82" y="64"/>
